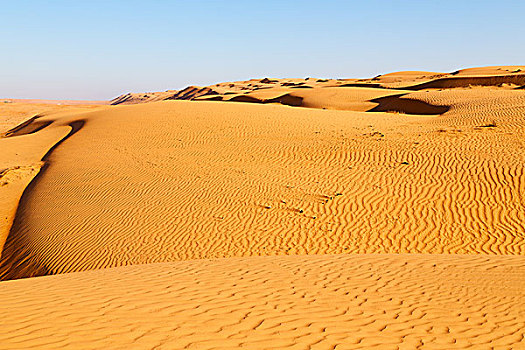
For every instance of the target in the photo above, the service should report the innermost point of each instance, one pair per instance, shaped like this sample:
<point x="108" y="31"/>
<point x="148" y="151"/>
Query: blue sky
<point x="100" y="49"/>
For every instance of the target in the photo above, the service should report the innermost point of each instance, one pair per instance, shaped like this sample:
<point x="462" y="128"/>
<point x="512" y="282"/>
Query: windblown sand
<point x="21" y="156"/>
<point x="296" y="302"/>
<point x="429" y="165"/>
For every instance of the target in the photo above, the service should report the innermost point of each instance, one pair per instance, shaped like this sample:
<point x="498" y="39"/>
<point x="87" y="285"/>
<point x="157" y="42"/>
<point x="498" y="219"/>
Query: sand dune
<point x="399" y="79"/>
<point x="186" y="180"/>
<point x="133" y="98"/>
<point x="426" y="163"/>
<point x="16" y="111"/>
<point x="293" y="302"/>
<point x="466" y="81"/>
<point x="342" y="94"/>
<point x="490" y="70"/>
<point x="20" y="157"/>
<point x="20" y="163"/>
<point x="401" y="104"/>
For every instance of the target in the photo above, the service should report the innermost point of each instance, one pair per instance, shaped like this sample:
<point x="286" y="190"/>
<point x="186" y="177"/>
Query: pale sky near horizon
<point x="101" y="49"/>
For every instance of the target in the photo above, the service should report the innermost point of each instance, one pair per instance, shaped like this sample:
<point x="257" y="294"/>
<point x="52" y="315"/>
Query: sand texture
<point x="270" y="213"/>
<point x="292" y="302"/>
<point x="20" y="156"/>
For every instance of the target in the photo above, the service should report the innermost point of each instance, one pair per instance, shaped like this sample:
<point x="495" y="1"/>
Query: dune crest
<point x="24" y="143"/>
<point x="21" y="162"/>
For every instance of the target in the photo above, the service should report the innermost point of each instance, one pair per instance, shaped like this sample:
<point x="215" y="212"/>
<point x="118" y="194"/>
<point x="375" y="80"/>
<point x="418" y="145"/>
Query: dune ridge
<point x="23" y="154"/>
<point x="465" y="81"/>
<point x="20" y="162"/>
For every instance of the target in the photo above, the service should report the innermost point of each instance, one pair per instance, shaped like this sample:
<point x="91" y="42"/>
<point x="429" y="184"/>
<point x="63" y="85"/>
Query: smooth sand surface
<point x="286" y="302"/>
<point x="434" y="172"/>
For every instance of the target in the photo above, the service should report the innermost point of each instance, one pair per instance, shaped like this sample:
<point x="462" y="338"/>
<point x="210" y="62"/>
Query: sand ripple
<point x="296" y="302"/>
<point x="187" y="180"/>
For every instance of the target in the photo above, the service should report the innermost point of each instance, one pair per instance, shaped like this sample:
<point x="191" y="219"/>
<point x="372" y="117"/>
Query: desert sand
<point x="21" y="157"/>
<point x="298" y="302"/>
<point x="398" y="200"/>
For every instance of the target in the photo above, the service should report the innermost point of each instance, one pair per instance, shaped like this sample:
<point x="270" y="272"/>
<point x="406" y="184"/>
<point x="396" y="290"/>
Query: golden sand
<point x="426" y="167"/>
<point x="281" y="302"/>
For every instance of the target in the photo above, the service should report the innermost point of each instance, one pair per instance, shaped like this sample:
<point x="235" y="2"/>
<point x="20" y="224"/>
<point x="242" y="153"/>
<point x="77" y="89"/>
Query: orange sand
<point x="20" y="157"/>
<point x="356" y="166"/>
<point x="285" y="302"/>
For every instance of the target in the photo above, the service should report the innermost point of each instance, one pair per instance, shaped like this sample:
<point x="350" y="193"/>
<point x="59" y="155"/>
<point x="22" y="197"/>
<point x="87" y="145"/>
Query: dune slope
<point x="179" y="180"/>
<point x="294" y="302"/>
<point x="23" y="147"/>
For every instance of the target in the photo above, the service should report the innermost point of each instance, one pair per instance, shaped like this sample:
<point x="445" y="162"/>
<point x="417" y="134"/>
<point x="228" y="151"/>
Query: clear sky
<point x="101" y="49"/>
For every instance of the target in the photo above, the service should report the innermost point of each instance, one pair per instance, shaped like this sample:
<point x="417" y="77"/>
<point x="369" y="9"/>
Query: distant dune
<point x="400" y="200"/>
<point x="333" y="93"/>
